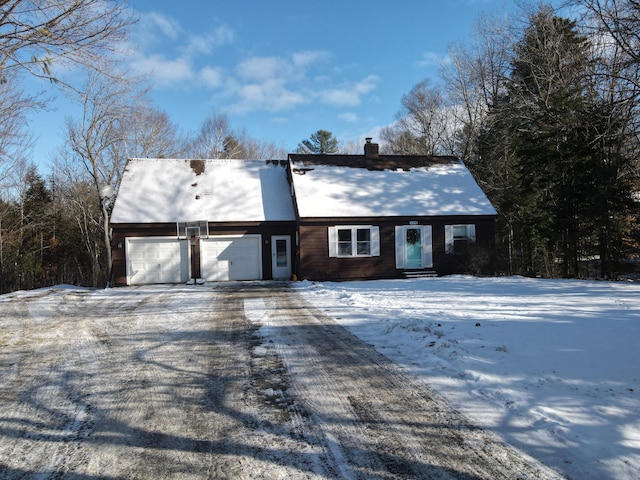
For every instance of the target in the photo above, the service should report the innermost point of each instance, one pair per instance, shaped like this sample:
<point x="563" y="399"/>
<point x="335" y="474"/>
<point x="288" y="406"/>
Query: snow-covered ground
<point x="239" y="380"/>
<point x="552" y="366"/>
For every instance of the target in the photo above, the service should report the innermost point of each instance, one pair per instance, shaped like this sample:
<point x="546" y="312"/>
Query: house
<point x="176" y="220"/>
<point x="316" y="217"/>
<point x="388" y="216"/>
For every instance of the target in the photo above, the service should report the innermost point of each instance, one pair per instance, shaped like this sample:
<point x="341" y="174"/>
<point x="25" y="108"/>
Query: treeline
<point x="543" y="109"/>
<point x="52" y="229"/>
<point x="545" y="112"/>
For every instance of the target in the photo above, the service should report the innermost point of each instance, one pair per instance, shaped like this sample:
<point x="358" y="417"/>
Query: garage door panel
<point x="232" y="258"/>
<point x="216" y="270"/>
<point x="157" y="260"/>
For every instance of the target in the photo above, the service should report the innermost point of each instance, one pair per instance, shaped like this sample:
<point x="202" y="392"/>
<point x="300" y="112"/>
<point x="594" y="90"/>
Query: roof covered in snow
<point x="178" y="190"/>
<point x="385" y="186"/>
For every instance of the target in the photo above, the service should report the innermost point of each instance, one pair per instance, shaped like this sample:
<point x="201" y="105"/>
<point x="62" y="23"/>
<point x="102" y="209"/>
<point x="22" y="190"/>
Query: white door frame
<point x="278" y="270"/>
<point x="426" y="246"/>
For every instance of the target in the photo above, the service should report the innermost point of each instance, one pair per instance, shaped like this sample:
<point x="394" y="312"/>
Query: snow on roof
<point x="346" y="191"/>
<point x="177" y="190"/>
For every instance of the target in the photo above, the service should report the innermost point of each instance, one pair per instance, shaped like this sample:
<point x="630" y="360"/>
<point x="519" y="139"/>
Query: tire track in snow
<point x="171" y="381"/>
<point x="377" y="421"/>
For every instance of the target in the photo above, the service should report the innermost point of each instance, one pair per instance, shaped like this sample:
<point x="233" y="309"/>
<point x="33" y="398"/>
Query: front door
<point x="413" y="247"/>
<point x="281" y="256"/>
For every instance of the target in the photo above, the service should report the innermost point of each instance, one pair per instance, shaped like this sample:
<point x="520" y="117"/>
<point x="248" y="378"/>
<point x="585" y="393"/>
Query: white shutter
<point x="375" y="241"/>
<point x="471" y="233"/>
<point x="448" y="238"/>
<point x="333" y="241"/>
<point x="399" y="247"/>
<point x="427" y="249"/>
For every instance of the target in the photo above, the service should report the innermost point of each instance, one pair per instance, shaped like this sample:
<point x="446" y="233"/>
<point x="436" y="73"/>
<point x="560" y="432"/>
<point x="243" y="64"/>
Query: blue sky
<point x="284" y="69"/>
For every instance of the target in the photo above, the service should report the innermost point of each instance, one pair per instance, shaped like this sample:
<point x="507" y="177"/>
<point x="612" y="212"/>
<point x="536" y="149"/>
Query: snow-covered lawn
<point x="553" y="366"/>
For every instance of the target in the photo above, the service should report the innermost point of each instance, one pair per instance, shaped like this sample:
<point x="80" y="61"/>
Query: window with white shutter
<point x="458" y="238"/>
<point x="354" y="241"/>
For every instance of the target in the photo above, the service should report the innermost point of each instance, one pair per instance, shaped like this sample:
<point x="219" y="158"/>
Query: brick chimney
<point x="371" y="149"/>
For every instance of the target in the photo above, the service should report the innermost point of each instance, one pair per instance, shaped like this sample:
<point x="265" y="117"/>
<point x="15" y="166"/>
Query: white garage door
<point x="231" y="258"/>
<point x="157" y="260"/>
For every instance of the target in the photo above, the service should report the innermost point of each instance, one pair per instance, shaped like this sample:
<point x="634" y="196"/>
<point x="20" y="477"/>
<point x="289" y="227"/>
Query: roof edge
<point x="381" y="162"/>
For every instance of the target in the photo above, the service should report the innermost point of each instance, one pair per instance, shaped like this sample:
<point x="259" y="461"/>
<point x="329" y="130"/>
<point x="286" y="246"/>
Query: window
<point x="354" y="241"/>
<point x="458" y="238"/>
<point x="363" y="241"/>
<point x="345" y="242"/>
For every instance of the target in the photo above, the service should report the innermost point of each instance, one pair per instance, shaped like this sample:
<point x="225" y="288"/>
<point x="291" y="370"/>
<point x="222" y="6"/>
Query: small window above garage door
<point x="231" y="258"/>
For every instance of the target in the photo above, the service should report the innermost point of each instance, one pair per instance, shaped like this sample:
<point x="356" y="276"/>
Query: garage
<point x="243" y="210"/>
<point x="157" y="260"/>
<point x="231" y="258"/>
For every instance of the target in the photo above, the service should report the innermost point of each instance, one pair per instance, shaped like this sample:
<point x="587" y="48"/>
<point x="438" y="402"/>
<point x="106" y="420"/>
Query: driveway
<point x="238" y="380"/>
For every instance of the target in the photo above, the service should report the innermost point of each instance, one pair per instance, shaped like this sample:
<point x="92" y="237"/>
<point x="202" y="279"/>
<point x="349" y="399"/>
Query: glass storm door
<point x="281" y="256"/>
<point x="413" y="247"/>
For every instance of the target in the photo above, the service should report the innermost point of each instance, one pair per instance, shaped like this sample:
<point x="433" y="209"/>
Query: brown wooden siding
<point x="314" y="262"/>
<point x="266" y="229"/>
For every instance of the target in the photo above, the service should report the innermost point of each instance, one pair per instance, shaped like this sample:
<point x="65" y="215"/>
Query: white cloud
<point x="349" y="117"/>
<point x="279" y="120"/>
<point x="274" y="83"/>
<point x="165" y="71"/>
<point x="158" y="35"/>
<point x="432" y="59"/>
<point x="168" y="73"/>
<point x="302" y="59"/>
<point x="212" y="77"/>
<point x="175" y="57"/>
<point x="349" y="95"/>
<point x="279" y="83"/>
<point x="208" y="42"/>
<point x="153" y="25"/>
<point x="272" y="95"/>
<point x="264" y="69"/>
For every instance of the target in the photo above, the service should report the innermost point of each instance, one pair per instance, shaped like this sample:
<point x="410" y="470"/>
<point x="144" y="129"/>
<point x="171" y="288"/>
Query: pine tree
<point x="320" y="142"/>
<point x="36" y="231"/>
<point x="547" y="90"/>
<point x="543" y="154"/>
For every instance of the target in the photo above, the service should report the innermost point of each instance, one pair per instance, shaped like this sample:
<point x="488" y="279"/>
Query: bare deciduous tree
<point x="97" y="139"/>
<point x="77" y="191"/>
<point x="117" y="123"/>
<point x="474" y="76"/>
<point x="215" y="139"/>
<point x="421" y="126"/>
<point x="620" y="20"/>
<point x="15" y="139"/>
<point x="150" y="133"/>
<point x="36" y="35"/>
<point x="262" y="150"/>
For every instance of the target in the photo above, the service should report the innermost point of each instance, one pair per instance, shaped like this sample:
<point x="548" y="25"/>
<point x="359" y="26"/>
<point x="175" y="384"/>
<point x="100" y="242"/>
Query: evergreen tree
<point x="36" y="231"/>
<point x="547" y="94"/>
<point x="320" y="142"/>
<point x="10" y="229"/>
<point x="493" y="165"/>
<point x="552" y="173"/>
